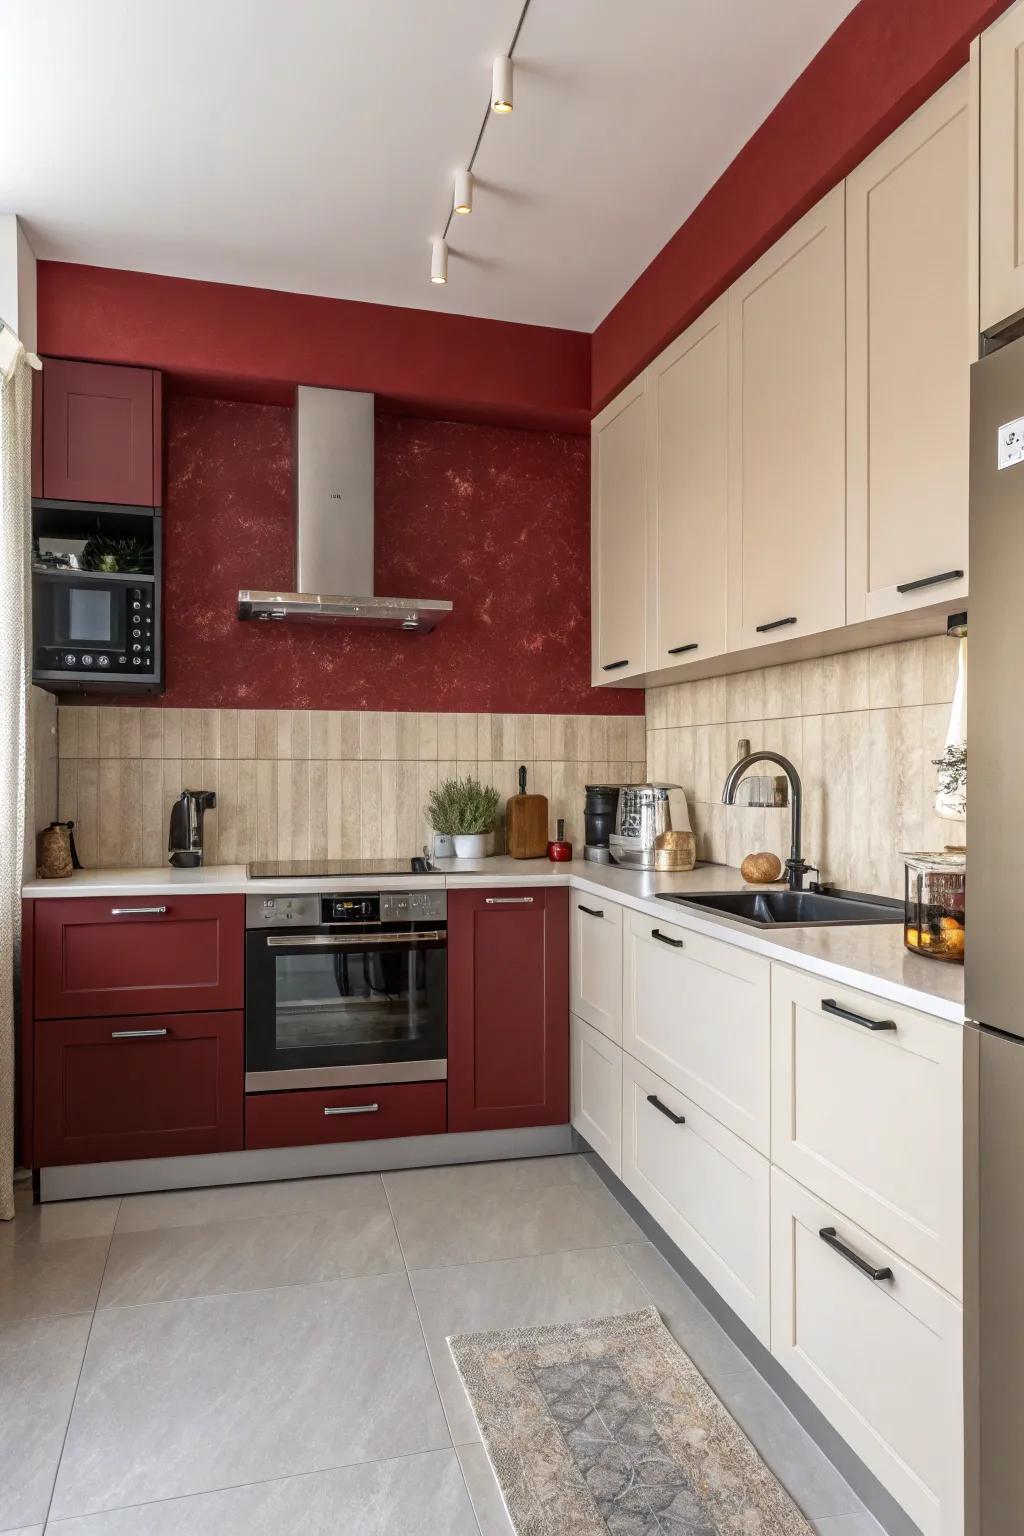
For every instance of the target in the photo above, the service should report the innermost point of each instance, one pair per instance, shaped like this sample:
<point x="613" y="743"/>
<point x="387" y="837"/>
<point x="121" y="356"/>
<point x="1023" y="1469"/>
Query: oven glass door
<point x="373" y="998"/>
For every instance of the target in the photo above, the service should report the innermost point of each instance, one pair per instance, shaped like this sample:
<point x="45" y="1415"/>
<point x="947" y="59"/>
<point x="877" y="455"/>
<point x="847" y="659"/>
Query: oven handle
<point x="352" y="941"/>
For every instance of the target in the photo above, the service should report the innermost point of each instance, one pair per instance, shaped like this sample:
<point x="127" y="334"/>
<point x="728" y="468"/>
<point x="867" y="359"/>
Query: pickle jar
<point x="935" y="913"/>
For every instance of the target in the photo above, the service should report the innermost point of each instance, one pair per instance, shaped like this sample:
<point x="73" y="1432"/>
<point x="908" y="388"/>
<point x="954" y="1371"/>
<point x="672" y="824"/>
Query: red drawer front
<point x="303" y="1118"/>
<point x="91" y="961"/>
<point x="153" y="1085"/>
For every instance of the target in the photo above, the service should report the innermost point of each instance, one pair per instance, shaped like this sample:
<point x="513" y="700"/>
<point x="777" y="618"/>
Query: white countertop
<point x="871" y="957"/>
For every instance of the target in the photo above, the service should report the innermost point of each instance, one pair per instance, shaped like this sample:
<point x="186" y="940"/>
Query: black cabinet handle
<point x="928" y="581"/>
<point x="613" y="666"/>
<point x="663" y="1109"/>
<point x="677" y="650"/>
<point x="592" y="911"/>
<point x="828" y="1235"/>
<point x="775" y="624"/>
<point x="663" y="938"/>
<point x="829" y="1005"/>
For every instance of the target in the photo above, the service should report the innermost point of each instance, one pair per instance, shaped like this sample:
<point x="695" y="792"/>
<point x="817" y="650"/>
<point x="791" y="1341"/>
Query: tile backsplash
<point x="861" y="728"/>
<point x="295" y="784"/>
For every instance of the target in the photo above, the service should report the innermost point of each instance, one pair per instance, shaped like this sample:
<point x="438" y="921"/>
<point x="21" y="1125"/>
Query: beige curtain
<point x="15" y="626"/>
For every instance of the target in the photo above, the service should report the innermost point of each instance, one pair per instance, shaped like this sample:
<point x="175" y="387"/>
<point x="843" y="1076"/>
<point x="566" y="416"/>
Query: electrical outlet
<point x="1011" y="443"/>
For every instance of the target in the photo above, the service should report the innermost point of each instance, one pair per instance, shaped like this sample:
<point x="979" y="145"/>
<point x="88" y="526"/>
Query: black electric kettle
<point x="185" y="841"/>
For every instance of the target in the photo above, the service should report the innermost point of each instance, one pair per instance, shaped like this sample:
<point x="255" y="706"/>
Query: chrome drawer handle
<point x="509" y="901"/>
<point x="663" y="938"/>
<point x="353" y="1109"/>
<point x="652" y="1098"/>
<point x="828" y="1235"/>
<point x="137" y="1034"/>
<point x="829" y="1005"/>
<point x="137" y="911"/>
<point x="591" y="911"/>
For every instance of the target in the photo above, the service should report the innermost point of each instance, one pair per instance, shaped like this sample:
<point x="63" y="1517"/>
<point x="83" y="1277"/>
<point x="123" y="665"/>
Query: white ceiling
<point x="308" y="145"/>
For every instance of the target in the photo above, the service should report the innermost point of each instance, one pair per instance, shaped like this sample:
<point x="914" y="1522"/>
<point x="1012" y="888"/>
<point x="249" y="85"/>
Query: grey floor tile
<point x="463" y="1223"/>
<point x="801" y="1467"/>
<point x="65" y="1219"/>
<point x="515" y="1293"/>
<point x="185" y="1397"/>
<point x="39" y="1365"/>
<point x="849" y="1525"/>
<point x="705" y="1341"/>
<point x="488" y="1504"/>
<point x="235" y="1202"/>
<point x="420" y="1495"/>
<point x="504" y="1178"/>
<point x="250" y="1255"/>
<point x="48" y="1279"/>
<point x="26" y="1530"/>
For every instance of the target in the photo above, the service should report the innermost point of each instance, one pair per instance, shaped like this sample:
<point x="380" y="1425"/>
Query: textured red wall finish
<point x="494" y="518"/>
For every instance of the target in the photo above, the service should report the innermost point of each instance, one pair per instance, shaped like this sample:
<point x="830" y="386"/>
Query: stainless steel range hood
<point x="334" y="525"/>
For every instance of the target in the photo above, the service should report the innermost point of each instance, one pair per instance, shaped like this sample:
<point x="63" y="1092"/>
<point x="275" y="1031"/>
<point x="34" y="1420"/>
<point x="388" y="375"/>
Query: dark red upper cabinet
<point x="101" y="433"/>
<point x="508" y="1008"/>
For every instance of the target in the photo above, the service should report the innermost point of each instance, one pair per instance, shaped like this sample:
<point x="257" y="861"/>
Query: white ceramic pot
<point x="444" y="845"/>
<point x="472" y="845"/>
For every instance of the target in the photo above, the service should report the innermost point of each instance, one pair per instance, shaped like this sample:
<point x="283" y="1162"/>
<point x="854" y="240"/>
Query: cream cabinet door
<point x="708" y="1189"/>
<point x="867" y="1111"/>
<point x="688" y="405"/>
<point x="618" y="541"/>
<point x="787" y="428"/>
<point x="596" y="1092"/>
<point x="697" y="1012"/>
<point x="595" y="962"/>
<point x="908" y="363"/>
<point x="1001" y="259"/>
<point x="880" y="1356"/>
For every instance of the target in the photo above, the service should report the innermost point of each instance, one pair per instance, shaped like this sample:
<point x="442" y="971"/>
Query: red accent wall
<point x="237" y="342"/>
<point x="494" y="518"/>
<point x="886" y="58"/>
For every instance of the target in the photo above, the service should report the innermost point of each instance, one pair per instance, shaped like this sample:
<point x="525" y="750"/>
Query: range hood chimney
<point x="334" y="524"/>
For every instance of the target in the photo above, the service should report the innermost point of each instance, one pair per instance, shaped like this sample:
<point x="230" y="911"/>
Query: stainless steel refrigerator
<point x="994" y="1119"/>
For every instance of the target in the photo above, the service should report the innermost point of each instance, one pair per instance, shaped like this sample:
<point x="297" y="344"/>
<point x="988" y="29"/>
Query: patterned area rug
<point x="608" y="1427"/>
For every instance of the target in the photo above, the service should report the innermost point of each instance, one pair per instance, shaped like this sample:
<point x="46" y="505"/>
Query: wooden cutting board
<point x="526" y="823"/>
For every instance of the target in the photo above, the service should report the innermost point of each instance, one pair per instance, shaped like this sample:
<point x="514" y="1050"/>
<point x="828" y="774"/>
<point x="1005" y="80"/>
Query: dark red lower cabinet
<point x="148" y="1085"/>
<point x="508" y="1008"/>
<point x="310" y="1116"/>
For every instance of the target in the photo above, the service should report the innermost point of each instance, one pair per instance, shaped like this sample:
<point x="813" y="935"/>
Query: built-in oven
<point x="345" y="989"/>
<point x="88" y="626"/>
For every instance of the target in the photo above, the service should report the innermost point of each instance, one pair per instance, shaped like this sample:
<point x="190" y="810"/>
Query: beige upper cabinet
<point x="618" y="543"/>
<point x="908" y="363"/>
<point x="688" y="406"/>
<point x="787" y="426"/>
<point x="1002" y="170"/>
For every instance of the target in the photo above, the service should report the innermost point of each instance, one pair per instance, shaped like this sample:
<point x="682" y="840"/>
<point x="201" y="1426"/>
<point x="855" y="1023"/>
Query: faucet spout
<point x="796" y="868"/>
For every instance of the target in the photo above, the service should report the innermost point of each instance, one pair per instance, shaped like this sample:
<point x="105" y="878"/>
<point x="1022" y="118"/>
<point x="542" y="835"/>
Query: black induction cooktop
<point x="328" y="869"/>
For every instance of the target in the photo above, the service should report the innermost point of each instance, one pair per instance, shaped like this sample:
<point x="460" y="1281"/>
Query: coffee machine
<point x="185" y="839"/>
<point x="599" y="809"/>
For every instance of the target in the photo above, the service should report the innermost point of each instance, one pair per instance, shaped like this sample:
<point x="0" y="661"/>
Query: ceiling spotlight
<point x="463" y="199"/>
<point x="439" y="262"/>
<point x="501" y="86"/>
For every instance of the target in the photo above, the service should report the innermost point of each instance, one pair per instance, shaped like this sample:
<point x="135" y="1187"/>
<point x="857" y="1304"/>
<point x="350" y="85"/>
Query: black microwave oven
<point x="94" y="630"/>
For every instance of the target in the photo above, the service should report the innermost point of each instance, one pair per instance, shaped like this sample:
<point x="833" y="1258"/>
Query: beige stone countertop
<point x="872" y="957"/>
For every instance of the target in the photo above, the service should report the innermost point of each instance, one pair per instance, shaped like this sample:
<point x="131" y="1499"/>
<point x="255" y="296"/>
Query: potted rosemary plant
<point x="464" y="810"/>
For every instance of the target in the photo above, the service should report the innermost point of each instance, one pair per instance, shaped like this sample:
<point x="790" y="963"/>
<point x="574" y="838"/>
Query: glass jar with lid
<point x="935" y="914"/>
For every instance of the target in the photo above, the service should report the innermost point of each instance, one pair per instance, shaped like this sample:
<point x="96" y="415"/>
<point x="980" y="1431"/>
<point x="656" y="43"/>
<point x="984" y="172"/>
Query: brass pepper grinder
<point x="56" y="854"/>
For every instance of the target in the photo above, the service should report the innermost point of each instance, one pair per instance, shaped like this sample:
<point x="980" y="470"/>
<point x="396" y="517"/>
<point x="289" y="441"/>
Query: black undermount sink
<point x="794" y="909"/>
